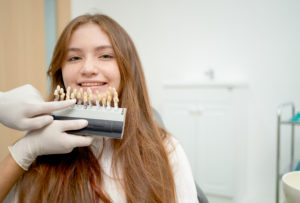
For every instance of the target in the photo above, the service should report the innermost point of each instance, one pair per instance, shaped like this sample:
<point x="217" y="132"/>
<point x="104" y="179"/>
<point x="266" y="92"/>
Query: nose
<point x="90" y="67"/>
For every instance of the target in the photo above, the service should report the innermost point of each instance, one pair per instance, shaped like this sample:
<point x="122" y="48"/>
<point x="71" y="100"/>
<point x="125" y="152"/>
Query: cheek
<point x="69" y="76"/>
<point x="116" y="77"/>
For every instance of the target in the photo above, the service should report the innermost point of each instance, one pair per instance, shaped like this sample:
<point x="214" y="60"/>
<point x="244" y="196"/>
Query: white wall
<point x="253" y="41"/>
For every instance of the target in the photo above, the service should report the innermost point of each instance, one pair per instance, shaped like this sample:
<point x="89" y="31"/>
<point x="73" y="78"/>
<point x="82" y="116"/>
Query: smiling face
<point x="90" y="61"/>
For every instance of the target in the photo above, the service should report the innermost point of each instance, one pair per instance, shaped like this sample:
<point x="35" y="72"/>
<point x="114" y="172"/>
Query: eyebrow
<point x="103" y="47"/>
<point x="99" y="48"/>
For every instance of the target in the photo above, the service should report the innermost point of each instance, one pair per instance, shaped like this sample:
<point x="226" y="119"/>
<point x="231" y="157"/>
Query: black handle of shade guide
<point x="97" y="127"/>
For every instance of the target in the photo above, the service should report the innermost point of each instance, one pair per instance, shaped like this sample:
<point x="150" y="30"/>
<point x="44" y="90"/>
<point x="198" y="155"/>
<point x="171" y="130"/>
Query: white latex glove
<point x="23" y="108"/>
<point x="50" y="139"/>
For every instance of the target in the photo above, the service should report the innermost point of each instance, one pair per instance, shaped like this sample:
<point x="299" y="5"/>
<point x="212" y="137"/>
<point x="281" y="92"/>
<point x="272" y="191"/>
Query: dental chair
<point x="200" y="194"/>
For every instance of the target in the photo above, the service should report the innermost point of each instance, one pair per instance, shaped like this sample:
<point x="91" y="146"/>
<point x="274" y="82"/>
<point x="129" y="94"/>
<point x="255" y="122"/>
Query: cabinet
<point x="282" y="109"/>
<point x="210" y="123"/>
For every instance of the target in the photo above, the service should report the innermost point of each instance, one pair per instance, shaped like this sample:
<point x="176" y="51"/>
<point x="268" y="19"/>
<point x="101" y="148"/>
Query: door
<point x="22" y="53"/>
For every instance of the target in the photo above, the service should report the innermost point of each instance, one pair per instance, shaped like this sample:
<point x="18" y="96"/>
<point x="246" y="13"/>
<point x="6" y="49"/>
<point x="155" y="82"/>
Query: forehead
<point x="89" y="34"/>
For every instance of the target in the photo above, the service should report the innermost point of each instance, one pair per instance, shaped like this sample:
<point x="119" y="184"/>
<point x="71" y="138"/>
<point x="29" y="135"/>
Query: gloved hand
<point x="50" y="139"/>
<point x="23" y="108"/>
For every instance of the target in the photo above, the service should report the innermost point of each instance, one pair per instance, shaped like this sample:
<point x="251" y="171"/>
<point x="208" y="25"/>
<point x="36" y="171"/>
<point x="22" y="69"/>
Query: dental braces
<point x="104" y="119"/>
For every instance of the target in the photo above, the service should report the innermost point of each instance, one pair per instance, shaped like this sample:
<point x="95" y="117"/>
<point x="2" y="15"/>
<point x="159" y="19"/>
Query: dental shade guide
<point x="103" y="119"/>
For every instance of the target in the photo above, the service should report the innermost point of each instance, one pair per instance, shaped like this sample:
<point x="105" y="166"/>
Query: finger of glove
<point x="80" y="141"/>
<point x="37" y="122"/>
<point x="72" y="124"/>
<point x="48" y="107"/>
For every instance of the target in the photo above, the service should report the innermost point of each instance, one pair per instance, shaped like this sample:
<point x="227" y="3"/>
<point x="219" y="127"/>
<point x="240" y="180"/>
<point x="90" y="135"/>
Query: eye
<point x="74" y="58"/>
<point x="106" y="56"/>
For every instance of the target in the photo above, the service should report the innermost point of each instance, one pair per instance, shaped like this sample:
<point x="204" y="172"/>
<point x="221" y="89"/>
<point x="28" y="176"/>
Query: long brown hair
<point x="146" y="174"/>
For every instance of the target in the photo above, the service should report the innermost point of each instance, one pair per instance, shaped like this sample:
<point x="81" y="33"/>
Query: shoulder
<point x="174" y="149"/>
<point x="183" y="177"/>
<point x="177" y="157"/>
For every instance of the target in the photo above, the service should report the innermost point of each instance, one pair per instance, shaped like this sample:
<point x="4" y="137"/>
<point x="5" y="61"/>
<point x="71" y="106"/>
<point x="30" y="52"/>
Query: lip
<point x="90" y="81"/>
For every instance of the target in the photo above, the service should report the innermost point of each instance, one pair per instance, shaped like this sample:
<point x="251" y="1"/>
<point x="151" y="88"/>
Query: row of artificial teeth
<point x="86" y="98"/>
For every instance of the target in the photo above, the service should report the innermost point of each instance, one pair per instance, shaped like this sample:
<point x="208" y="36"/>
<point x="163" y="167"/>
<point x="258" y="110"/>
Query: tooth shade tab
<point x="104" y="101"/>
<point x="115" y="95"/>
<point x="72" y="95"/>
<point x="98" y="97"/>
<point x="62" y="96"/>
<point x="56" y="95"/>
<point x="68" y="93"/>
<point x="89" y="91"/>
<point x="85" y="98"/>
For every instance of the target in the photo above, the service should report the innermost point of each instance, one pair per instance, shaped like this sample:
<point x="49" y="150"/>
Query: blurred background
<point x="216" y="71"/>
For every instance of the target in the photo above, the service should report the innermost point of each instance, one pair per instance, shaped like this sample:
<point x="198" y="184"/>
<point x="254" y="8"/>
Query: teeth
<point x="92" y="84"/>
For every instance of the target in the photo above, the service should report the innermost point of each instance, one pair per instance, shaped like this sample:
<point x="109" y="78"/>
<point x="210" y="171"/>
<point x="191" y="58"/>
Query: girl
<point x="147" y="165"/>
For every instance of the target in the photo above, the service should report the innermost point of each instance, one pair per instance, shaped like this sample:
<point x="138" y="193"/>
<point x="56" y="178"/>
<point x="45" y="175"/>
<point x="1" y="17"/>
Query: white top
<point x="184" y="182"/>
